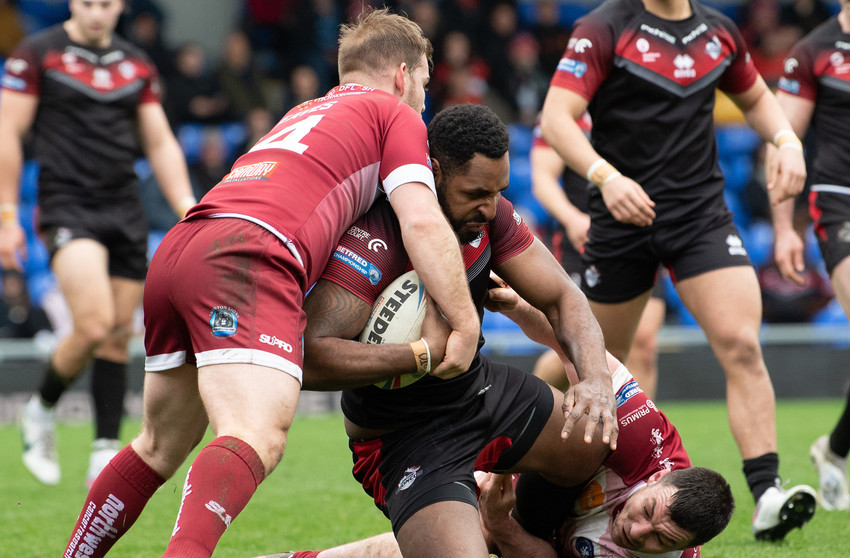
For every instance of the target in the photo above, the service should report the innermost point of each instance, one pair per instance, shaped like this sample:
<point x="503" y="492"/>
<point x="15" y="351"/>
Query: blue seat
<point x="29" y="182"/>
<point x="521" y="139"/>
<point x="736" y="140"/>
<point x="191" y="137"/>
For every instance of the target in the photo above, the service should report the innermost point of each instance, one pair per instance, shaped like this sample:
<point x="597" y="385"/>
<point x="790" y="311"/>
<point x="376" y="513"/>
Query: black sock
<point x="839" y="440"/>
<point x="53" y="386"/>
<point x="108" y="384"/>
<point x="542" y="506"/>
<point x="762" y="472"/>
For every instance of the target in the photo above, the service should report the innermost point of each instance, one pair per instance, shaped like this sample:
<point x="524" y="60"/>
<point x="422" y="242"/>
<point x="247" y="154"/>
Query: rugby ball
<point x="397" y="318"/>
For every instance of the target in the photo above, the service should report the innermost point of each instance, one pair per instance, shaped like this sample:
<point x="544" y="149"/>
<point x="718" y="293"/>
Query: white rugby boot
<point x="832" y="476"/>
<point x="102" y="451"/>
<point x="778" y="511"/>
<point x="38" y="434"/>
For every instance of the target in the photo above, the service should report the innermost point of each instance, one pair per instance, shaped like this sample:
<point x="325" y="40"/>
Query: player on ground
<point x="91" y="103"/>
<point x="647" y="71"/>
<point x="223" y="301"/>
<point x="816" y="90"/>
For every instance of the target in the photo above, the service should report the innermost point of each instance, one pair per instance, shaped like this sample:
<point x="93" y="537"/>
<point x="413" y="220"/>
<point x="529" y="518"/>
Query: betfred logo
<point x="254" y="171"/>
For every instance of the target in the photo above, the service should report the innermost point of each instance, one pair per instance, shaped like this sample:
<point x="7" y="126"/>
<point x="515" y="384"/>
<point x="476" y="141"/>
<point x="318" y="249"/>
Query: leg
<point x="829" y="452"/>
<point x="643" y="356"/>
<point x="619" y="322"/>
<point x="109" y="375"/>
<point x="250" y="408"/>
<point x="727" y="304"/>
<point x="81" y="270"/>
<point x="447" y="529"/>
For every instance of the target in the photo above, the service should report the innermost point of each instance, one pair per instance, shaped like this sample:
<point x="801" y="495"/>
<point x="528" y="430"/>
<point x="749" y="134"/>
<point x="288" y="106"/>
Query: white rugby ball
<point x="397" y="318"/>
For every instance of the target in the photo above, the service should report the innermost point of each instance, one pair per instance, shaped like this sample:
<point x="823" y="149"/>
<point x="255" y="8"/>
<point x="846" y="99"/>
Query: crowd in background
<point x="501" y="53"/>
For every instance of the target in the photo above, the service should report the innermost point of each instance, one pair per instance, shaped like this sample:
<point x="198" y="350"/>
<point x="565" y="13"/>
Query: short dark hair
<point x="457" y="133"/>
<point x="703" y="502"/>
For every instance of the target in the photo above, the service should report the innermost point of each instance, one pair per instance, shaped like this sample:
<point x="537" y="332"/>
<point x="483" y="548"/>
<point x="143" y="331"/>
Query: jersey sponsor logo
<point x="736" y="245"/>
<point x="591" y="276"/>
<point x="95" y="527"/>
<point x="713" y="48"/>
<point x="255" y="171"/>
<point x="358" y="233"/>
<point x="360" y="264"/>
<point x="642" y="46"/>
<point x="410" y="475"/>
<point x="790" y="65"/>
<point x="275" y="342"/>
<point x="578" y="69"/>
<point x="844" y="232"/>
<point x="790" y="85"/>
<point x="627" y="392"/>
<point x="16" y="65"/>
<point x="684" y="67"/>
<point x="701" y="28"/>
<point x="843" y="45"/>
<point x="579" y="45"/>
<point x="377" y="244"/>
<point x="636" y="415"/>
<point x="127" y="70"/>
<point x="655" y="32"/>
<point x="13" y="82"/>
<point x="517" y="218"/>
<point x="102" y="79"/>
<point x="591" y="497"/>
<point x="584" y="547"/>
<point x="223" y="321"/>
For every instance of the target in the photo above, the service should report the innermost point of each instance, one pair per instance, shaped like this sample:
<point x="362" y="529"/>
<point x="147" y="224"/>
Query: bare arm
<point x="786" y="175"/>
<point x="539" y="278"/>
<point x="788" y="246"/>
<point x="500" y="528"/>
<point x="435" y="253"/>
<point x="17" y="114"/>
<point x="623" y="196"/>
<point x="546" y="170"/>
<point x="166" y="158"/>
<point x="333" y="357"/>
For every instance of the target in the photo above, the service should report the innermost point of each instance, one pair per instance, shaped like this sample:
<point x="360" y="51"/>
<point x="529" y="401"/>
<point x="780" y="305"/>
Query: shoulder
<point x="130" y="50"/>
<point x="46" y="38"/>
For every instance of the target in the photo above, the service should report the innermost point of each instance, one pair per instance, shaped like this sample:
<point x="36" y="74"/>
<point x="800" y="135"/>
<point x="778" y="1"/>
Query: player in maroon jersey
<point x="647" y="71"/>
<point x="815" y="90"/>
<point x="224" y="293"/>
<point x="91" y="102"/>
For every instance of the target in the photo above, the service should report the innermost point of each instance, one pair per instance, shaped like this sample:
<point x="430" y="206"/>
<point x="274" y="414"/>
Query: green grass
<point x="312" y="501"/>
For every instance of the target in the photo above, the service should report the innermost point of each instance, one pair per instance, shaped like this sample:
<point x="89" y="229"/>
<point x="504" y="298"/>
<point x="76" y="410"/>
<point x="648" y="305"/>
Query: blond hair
<point x="377" y="41"/>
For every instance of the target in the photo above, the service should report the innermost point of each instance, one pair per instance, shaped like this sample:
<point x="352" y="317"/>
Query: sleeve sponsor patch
<point x="358" y="263"/>
<point x="570" y="66"/>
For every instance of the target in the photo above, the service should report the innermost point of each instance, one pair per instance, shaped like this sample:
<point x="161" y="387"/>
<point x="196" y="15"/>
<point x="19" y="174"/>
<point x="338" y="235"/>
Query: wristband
<point x="8" y="214"/>
<point x="422" y="354"/>
<point x="787" y="139"/>
<point x="185" y="204"/>
<point x="601" y="172"/>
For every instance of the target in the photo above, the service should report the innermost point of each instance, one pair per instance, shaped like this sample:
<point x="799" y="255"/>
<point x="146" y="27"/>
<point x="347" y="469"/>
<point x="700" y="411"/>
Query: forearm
<point x="515" y="542"/>
<point x="169" y="167"/>
<point x="763" y="112"/>
<point x="579" y="335"/>
<point x="332" y="364"/>
<point x="783" y="216"/>
<point x="11" y="162"/>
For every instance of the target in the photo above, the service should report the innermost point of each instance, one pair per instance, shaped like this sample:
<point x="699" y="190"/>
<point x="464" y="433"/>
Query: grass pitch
<point x="313" y="502"/>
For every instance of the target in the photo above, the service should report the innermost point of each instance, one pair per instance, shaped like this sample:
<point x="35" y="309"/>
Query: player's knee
<point x="739" y="348"/>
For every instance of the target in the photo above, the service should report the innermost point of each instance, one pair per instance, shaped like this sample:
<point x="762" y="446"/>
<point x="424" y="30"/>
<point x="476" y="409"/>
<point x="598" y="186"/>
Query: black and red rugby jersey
<point x="651" y="85"/>
<point x="84" y="135"/>
<point x="818" y="69"/>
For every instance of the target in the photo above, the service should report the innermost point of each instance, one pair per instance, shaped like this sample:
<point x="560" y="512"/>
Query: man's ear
<point x="399" y="81"/>
<point x="656" y="476"/>
<point x="437" y="169"/>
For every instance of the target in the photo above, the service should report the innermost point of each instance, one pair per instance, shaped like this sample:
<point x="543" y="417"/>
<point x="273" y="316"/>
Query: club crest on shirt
<point x="410" y="475"/>
<point x="223" y="321"/>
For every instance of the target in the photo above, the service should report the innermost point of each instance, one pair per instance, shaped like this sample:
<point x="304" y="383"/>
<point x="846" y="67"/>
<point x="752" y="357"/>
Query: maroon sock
<point x="306" y="554"/>
<point x="115" y="501"/>
<point x="219" y="484"/>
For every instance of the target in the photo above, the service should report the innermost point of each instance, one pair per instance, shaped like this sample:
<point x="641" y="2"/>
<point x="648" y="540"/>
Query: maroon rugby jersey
<point x="319" y="168"/>
<point x="818" y="69"/>
<point x="84" y="135"/>
<point x="651" y="84"/>
<point x="370" y="255"/>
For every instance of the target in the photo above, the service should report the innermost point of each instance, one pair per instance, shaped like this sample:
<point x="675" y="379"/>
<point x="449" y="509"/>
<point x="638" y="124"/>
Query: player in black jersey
<point x="91" y="103"/>
<point x="647" y="71"/>
<point x="815" y="90"/>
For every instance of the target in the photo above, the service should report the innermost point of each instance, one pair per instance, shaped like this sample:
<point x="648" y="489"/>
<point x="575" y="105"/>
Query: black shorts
<point x="831" y="214"/>
<point x="121" y="228"/>
<point x="434" y="461"/>
<point x="621" y="267"/>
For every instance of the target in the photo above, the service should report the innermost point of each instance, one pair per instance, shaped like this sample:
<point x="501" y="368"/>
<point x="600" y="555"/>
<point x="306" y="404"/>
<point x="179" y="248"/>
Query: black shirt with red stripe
<point x="85" y="134"/>
<point x="651" y="85"/>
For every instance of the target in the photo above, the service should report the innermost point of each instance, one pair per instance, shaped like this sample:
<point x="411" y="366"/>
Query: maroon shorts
<point x="222" y="291"/>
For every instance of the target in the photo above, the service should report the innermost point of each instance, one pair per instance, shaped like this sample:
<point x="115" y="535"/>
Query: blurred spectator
<point x="805" y="14"/>
<point x="552" y="36"/>
<point x="18" y="318"/>
<point x="241" y="81"/>
<point x="303" y="86"/>
<point x="11" y="27"/>
<point x="464" y="16"/>
<point x="194" y="94"/>
<point x="282" y="33"/>
<point x="767" y="38"/>
<point x="257" y="124"/>
<point x="494" y="46"/>
<point x="212" y="164"/>
<point x="427" y="14"/>
<point x="144" y="28"/>
<point x="458" y="77"/>
<point x="326" y="24"/>
<point x="527" y="84"/>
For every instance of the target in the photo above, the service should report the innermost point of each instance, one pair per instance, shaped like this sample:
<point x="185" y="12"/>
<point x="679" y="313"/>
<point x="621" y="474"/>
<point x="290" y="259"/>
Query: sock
<point x="108" y="384"/>
<point x="839" y="440"/>
<point x="219" y="485"/>
<point x="115" y="501"/>
<point x="542" y="506"/>
<point x="52" y="386"/>
<point x="762" y="472"/>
